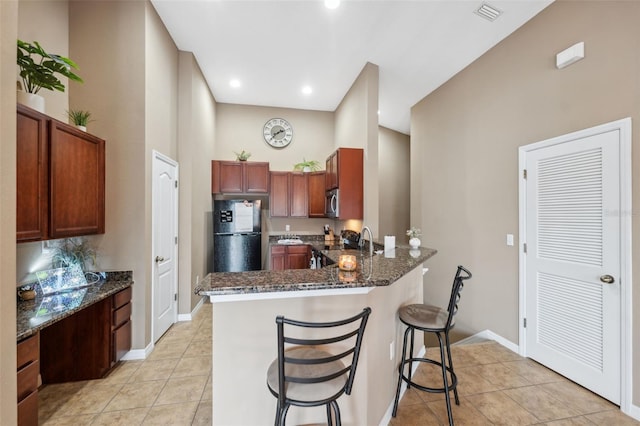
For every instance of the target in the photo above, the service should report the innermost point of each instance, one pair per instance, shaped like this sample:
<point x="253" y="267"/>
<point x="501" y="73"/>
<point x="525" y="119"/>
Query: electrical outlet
<point x="287" y="228"/>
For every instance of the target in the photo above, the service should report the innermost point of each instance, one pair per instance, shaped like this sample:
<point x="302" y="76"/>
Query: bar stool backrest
<point x="349" y="355"/>
<point x="458" y="284"/>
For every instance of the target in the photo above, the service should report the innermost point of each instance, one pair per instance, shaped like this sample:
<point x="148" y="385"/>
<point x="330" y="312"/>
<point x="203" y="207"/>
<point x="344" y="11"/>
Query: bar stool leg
<point x="336" y="410"/>
<point x="445" y="379"/>
<point x="455" y="390"/>
<point x="409" y="374"/>
<point x="329" y="417"/>
<point x="401" y="371"/>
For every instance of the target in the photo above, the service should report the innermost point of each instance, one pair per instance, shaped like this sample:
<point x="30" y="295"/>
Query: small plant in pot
<point x="242" y="156"/>
<point x="73" y="251"/>
<point x="79" y="118"/>
<point x="39" y="69"/>
<point x="307" y="166"/>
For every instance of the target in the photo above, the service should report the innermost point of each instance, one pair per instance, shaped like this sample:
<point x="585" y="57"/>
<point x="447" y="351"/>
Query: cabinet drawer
<point x="28" y="350"/>
<point x="28" y="380"/>
<point x="121" y="341"/>
<point x="28" y="411"/>
<point x="119" y="299"/>
<point x="121" y="315"/>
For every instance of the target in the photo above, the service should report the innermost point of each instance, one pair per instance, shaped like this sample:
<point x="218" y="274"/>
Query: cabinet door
<point x="278" y="255"/>
<point x="256" y="178"/>
<point x="316" y="194"/>
<point x="121" y="341"/>
<point x="76" y="182"/>
<point x="299" y="195"/>
<point x="298" y="257"/>
<point x="32" y="175"/>
<point x="332" y="171"/>
<point x="351" y="182"/>
<point x="229" y="175"/>
<point x="279" y="194"/>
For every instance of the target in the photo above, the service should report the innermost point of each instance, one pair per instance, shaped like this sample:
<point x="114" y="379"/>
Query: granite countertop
<point x="36" y="314"/>
<point x="380" y="270"/>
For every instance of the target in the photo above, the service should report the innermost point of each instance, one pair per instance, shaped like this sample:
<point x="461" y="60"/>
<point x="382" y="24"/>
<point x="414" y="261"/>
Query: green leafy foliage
<point x="313" y="165"/>
<point x="37" y="73"/>
<point x="73" y="251"/>
<point x="79" y="117"/>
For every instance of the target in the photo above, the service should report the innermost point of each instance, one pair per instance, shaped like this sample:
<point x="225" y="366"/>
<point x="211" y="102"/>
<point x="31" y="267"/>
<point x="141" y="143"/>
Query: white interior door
<point x="573" y="259"/>
<point x="165" y="244"/>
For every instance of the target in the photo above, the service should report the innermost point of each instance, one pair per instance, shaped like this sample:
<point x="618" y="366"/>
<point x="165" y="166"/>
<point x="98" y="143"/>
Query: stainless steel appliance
<point x="237" y="237"/>
<point x="332" y="204"/>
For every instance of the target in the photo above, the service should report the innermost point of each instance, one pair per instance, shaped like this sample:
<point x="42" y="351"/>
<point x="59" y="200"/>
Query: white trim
<point x="189" y="316"/>
<point x="136" y="354"/>
<point x="155" y="155"/>
<point x="288" y="294"/>
<point x="626" y="308"/>
<point x="634" y="412"/>
<point x="490" y="335"/>
<point x="386" y="419"/>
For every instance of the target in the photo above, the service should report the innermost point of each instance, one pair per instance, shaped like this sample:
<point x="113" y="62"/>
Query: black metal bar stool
<point x="432" y="319"/>
<point x="307" y="375"/>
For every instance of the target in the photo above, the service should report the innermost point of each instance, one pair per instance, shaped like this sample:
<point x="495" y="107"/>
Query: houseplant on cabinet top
<point x="307" y="166"/>
<point x="79" y="118"/>
<point x="41" y="73"/>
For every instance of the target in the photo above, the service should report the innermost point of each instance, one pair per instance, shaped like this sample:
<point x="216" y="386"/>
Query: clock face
<point x="278" y="132"/>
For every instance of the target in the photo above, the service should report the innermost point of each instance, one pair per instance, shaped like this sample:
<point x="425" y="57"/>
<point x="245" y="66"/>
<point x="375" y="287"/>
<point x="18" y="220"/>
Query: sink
<point x="290" y="241"/>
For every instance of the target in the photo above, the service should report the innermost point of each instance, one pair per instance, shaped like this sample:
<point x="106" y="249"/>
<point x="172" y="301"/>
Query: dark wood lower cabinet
<point x="87" y="344"/>
<point x="290" y="257"/>
<point x="28" y="367"/>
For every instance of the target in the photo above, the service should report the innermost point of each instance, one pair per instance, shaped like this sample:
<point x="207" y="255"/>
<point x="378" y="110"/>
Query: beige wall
<point x="8" y="35"/>
<point x="114" y="90"/>
<point x="465" y="139"/>
<point x="356" y="126"/>
<point x="393" y="178"/>
<point x="196" y="133"/>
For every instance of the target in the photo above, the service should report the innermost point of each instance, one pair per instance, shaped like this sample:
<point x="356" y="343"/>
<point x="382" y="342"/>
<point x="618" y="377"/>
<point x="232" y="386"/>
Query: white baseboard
<point x="490" y="335"/>
<point x="386" y="419"/>
<point x="136" y="354"/>
<point x="634" y="412"/>
<point x="189" y="316"/>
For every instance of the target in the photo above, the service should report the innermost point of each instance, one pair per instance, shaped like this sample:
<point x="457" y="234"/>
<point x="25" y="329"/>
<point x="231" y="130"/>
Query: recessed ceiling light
<point x="331" y="4"/>
<point x="488" y="12"/>
<point x="307" y="90"/>
<point x="235" y="83"/>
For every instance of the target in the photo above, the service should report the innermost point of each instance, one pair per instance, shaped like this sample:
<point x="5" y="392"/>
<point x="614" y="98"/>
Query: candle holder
<point x="347" y="262"/>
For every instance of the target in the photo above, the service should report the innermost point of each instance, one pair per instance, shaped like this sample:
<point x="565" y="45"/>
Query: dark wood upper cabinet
<point x="60" y="179"/>
<point x="316" y="194"/>
<point x="239" y="177"/>
<point x="32" y="175"/>
<point x="345" y="171"/>
<point x="289" y="195"/>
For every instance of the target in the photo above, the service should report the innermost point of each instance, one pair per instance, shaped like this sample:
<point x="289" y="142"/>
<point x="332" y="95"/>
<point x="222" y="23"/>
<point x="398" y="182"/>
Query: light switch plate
<point x="510" y="239"/>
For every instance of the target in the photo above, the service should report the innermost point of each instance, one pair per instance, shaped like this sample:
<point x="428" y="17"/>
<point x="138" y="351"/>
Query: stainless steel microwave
<point x="332" y="204"/>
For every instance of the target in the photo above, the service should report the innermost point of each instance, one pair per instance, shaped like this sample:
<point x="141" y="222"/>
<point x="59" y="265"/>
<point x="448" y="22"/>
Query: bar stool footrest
<point x="410" y="383"/>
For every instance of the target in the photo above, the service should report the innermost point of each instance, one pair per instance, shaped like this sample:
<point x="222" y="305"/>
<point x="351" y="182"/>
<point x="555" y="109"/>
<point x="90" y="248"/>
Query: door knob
<point x="159" y="259"/>
<point x="607" y="279"/>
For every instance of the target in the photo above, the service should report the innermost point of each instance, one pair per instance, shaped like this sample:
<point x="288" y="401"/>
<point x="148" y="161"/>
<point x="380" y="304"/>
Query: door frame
<point x="157" y="156"/>
<point x="624" y="127"/>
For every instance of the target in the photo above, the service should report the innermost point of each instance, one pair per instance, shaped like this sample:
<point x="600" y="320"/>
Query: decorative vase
<point x="83" y="128"/>
<point x="414" y="242"/>
<point x="31" y="100"/>
<point x="306" y="169"/>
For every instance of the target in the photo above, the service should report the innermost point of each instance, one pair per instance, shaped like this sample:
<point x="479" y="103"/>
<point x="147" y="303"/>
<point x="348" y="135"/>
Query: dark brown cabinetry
<point x="316" y="193"/>
<point x="345" y="172"/>
<point x="239" y="177"/>
<point x="28" y="369"/>
<point x="290" y="257"/>
<point x="289" y="195"/>
<point x="60" y="179"/>
<point x="85" y="345"/>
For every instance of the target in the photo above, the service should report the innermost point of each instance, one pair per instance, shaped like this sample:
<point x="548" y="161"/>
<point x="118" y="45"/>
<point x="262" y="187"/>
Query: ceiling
<point x="274" y="48"/>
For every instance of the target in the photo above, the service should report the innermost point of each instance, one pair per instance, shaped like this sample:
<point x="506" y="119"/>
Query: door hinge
<point x="175" y="297"/>
<point x="524" y="247"/>
<point x="524" y="322"/>
<point x="176" y="183"/>
<point x="524" y="173"/>
<point x="175" y="240"/>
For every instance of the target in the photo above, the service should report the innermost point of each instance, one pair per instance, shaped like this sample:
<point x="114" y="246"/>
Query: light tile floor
<point x="173" y="387"/>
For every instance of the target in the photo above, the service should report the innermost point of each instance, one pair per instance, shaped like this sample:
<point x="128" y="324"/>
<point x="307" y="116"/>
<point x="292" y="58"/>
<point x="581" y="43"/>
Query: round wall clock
<point x="278" y="132"/>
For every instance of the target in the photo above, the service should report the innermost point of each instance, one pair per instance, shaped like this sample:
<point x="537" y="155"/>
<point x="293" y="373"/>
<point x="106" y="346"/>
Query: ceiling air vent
<point x="488" y="12"/>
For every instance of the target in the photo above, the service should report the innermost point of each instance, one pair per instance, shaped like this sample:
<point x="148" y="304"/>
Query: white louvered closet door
<point x="572" y="226"/>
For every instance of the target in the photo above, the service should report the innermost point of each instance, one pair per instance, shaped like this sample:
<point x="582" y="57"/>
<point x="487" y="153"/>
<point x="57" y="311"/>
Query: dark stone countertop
<point x="379" y="270"/>
<point x="36" y="314"/>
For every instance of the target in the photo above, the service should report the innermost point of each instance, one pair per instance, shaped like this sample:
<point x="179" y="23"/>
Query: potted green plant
<point x="73" y="251"/>
<point x="79" y="118"/>
<point x="242" y="156"/>
<point x="307" y="166"/>
<point x="39" y="69"/>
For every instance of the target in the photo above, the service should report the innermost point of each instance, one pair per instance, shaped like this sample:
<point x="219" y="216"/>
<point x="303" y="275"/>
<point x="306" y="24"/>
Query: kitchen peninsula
<point x="244" y="330"/>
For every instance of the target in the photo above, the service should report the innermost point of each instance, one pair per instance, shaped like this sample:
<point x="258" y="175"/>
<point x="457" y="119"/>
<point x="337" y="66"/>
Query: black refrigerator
<point x="237" y="238"/>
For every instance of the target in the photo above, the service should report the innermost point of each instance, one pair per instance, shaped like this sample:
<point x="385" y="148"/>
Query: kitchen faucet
<point x="361" y="241"/>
